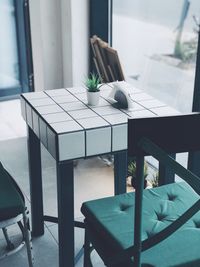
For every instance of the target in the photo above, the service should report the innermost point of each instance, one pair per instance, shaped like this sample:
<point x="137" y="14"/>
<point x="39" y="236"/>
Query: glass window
<point x="157" y="45"/>
<point x="9" y="63"/>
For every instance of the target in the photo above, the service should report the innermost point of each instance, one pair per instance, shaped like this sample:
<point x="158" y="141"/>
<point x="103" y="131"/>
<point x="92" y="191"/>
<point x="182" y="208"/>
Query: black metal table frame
<point x="65" y="197"/>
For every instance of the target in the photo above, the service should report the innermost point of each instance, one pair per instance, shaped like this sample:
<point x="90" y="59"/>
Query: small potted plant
<point x="92" y="84"/>
<point x="132" y="173"/>
<point x="155" y="179"/>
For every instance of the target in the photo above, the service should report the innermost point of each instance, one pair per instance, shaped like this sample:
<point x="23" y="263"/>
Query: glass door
<point x="15" y="69"/>
<point x="157" y="44"/>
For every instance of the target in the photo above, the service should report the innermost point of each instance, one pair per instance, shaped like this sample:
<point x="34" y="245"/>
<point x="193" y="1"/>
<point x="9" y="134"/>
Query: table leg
<point x="65" y="191"/>
<point x="35" y="175"/>
<point x="166" y="176"/>
<point x="120" y="172"/>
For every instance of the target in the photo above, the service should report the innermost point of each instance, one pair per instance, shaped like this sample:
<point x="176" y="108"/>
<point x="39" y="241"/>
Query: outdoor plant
<point x="92" y="83"/>
<point x="154" y="181"/>
<point x="186" y="51"/>
<point x="132" y="172"/>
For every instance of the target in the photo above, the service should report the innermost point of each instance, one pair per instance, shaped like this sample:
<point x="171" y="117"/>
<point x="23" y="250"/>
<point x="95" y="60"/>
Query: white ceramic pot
<point x="93" y="98"/>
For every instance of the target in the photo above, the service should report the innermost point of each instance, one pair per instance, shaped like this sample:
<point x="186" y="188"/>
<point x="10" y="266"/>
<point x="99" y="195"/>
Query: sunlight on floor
<point x="12" y="124"/>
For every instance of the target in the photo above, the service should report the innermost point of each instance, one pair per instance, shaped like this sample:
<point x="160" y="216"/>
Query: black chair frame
<point x="23" y="222"/>
<point x="158" y="137"/>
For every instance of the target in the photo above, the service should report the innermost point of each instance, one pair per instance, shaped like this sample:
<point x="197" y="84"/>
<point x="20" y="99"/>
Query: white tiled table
<point x="70" y="129"/>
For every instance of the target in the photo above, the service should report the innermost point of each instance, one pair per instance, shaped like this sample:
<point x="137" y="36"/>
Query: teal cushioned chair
<point x="157" y="227"/>
<point x="13" y="211"/>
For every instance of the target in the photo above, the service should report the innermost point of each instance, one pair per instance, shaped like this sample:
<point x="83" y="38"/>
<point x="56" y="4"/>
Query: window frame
<point x="100" y="17"/>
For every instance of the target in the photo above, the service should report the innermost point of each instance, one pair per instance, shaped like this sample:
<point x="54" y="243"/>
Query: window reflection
<point x="9" y="65"/>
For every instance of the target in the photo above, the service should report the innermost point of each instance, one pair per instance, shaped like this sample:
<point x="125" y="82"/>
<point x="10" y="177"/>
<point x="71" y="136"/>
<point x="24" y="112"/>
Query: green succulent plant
<point x="92" y="83"/>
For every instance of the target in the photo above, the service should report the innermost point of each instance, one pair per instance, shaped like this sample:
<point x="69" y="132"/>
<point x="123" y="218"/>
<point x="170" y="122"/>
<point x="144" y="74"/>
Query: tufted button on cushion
<point x="160" y="216"/>
<point x="171" y="197"/>
<point x="125" y="207"/>
<point x="161" y="206"/>
<point x="196" y="223"/>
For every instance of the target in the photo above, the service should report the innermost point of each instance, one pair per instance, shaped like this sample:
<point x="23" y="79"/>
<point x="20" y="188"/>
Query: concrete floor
<point x="93" y="179"/>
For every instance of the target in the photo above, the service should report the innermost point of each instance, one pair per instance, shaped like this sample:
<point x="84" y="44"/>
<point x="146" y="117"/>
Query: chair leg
<point x="10" y="245"/>
<point x="21" y="227"/>
<point x="87" y="250"/>
<point x="27" y="238"/>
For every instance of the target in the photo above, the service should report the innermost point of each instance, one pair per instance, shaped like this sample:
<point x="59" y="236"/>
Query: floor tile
<point x="45" y="253"/>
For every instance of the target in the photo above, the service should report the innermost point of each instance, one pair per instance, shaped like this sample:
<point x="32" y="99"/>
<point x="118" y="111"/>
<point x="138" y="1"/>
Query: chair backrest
<point x="106" y="61"/>
<point x="156" y="136"/>
<point x="4" y="172"/>
<point x="172" y="133"/>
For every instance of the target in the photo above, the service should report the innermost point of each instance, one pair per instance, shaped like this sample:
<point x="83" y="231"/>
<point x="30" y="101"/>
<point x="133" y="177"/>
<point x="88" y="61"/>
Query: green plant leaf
<point x="92" y="83"/>
<point x="132" y="169"/>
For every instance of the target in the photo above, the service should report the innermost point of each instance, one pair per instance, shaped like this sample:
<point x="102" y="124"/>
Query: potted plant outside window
<point x="92" y="84"/>
<point x="132" y="173"/>
<point x="150" y="181"/>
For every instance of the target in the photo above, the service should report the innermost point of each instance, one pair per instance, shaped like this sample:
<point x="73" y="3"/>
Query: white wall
<point x="51" y="43"/>
<point x="66" y="18"/>
<point x="36" y="37"/>
<point x="80" y="40"/>
<point x="60" y="42"/>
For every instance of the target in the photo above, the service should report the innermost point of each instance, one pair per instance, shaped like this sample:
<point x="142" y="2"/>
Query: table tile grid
<point x="63" y="116"/>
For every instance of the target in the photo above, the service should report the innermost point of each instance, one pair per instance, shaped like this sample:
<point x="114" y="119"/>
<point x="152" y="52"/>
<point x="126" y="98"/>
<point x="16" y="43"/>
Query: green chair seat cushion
<point x="11" y="201"/>
<point x="112" y="223"/>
